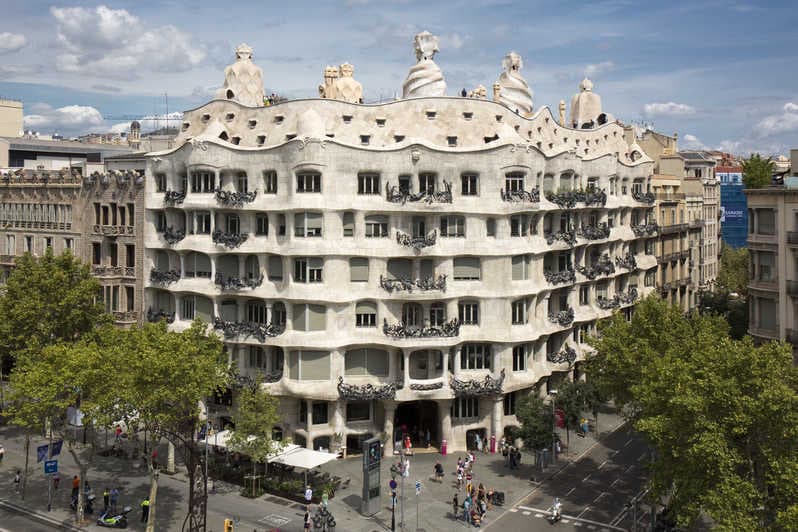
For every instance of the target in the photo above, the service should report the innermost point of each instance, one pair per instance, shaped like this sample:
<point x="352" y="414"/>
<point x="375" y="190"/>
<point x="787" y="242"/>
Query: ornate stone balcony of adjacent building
<point x="487" y="386"/>
<point x="114" y="230"/>
<point x="561" y="277"/>
<point x="566" y="354"/>
<point x="154" y="316"/>
<point x="594" y="232"/>
<point x="643" y="197"/>
<point x="164" y="277"/>
<point x="41" y="177"/>
<point x="230" y="282"/>
<point x="529" y="196"/>
<point x="646" y="229"/>
<point x="603" y="266"/>
<point x="417" y="242"/>
<point x="173" y="235"/>
<point x="627" y="262"/>
<point x="568" y="236"/>
<point x="569" y="198"/>
<point x="563" y="318"/>
<point x="248" y="329"/>
<point x="401" y="195"/>
<point x="673" y="228"/>
<point x="408" y="285"/>
<point x="174" y="197"/>
<point x="401" y="330"/>
<point x="234" y="199"/>
<point x="366" y="392"/>
<point x="7" y="259"/>
<point x="228" y="240"/>
<point x="113" y="271"/>
<point x="28" y="224"/>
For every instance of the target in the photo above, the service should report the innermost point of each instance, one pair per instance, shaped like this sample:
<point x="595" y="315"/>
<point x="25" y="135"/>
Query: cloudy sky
<point x="721" y="73"/>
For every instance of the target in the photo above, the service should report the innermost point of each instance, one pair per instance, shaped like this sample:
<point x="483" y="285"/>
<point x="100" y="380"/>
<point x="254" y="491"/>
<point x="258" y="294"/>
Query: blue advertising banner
<point x="733" y="209"/>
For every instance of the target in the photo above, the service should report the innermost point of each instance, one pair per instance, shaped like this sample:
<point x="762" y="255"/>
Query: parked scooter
<point x="109" y="519"/>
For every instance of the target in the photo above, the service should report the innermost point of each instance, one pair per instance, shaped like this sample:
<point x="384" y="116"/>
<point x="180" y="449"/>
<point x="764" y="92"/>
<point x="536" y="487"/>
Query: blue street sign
<point x="50" y="466"/>
<point x="41" y="452"/>
<point x="418" y="487"/>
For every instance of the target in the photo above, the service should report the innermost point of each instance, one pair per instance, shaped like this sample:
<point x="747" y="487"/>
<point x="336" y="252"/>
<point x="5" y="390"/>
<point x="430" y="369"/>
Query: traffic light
<point x="228" y="525"/>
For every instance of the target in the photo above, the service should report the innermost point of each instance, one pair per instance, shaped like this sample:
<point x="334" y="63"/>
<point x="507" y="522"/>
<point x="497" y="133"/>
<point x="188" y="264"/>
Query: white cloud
<point x="667" y="109"/>
<point x="451" y="41"/>
<point x="11" y="42"/>
<point x="150" y="123"/>
<point x="784" y="122"/>
<point x="791" y="107"/>
<point x="691" y="142"/>
<point x="115" y="43"/>
<point x="71" y="118"/>
<point x="596" y="69"/>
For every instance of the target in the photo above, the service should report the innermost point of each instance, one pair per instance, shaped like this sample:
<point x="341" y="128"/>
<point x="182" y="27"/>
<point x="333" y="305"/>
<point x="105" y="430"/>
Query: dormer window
<point x="499" y="118"/>
<point x="451" y="141"/>
<point x="330" y="135"/>
<point x="430" y="114"/>
<point x="223" y="135"/>
<point x="380" y="122"/>
<point x="261" y="140"/>
<point x="290" y="136"/>
<point x="365" y="139"/>
<point x="347" y="119"/>
<point x="186" y="126"/>
<point x="278" y="119"/>
<point x="398" y="138"/>
<point x="468" y="115"/>
<point x="252" y="123"/>
<point x="229" y="117"/>
<point x="206" y="118"/>
<point x="236" y="140"/>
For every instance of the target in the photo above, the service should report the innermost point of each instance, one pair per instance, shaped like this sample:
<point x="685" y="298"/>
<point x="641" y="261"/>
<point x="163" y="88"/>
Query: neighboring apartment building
<point x="733" y="205"/>
<point x="773" y="245"/>
<point x="92" y="206"/>
<point x="420" y="264"/>
<point x="11" y="124"/>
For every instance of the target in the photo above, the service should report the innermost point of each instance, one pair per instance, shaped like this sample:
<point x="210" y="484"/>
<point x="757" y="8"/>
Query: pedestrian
<point x="455" y="505"/>
<point x="16" y="481"/>
<point x="56" y="481"/>
<point x="75" y="485"/>
<point x="325" y="498"/>
<point x="467" y="509"/>
<point x="478" y="442"/>
<point x="106" y="498"/>
<point x="468" y="482"/>
<point x="427" y="437"/>
<point x="114" y="498"/>
<point x="145" y="510"/>
<point x="308" y="496"/>
<point x="117" y="433"/>
<point x="2" y="454"/>
<point x="459" y="477"/>
<point x="306" y="521"/>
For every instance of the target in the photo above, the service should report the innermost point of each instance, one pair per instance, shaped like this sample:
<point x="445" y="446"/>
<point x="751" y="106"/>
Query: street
<point x="593" y="490"/>
<point x="13" y="522"/>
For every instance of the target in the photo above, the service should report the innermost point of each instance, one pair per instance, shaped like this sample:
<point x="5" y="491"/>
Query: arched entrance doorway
<point x="415" y="418"/>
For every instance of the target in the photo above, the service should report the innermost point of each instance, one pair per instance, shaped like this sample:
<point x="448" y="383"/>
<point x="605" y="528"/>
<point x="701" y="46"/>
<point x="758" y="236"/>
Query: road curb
<point x="12" y="507"/>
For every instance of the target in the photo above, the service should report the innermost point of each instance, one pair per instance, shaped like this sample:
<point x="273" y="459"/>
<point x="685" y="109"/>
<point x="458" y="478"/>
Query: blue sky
<point x="721" y="73"/>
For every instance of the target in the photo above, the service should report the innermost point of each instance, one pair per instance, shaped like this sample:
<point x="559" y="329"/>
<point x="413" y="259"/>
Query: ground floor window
<point x="358" y="411"/>
<point x="509" y="404"/>
<point x="465" y="407"/>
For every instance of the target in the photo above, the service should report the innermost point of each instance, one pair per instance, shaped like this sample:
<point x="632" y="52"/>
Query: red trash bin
<point x="444" y="446"/>
<point x="493" y="444"/>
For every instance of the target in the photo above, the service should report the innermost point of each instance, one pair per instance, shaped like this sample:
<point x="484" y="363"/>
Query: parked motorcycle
<point x="109" y="519"/>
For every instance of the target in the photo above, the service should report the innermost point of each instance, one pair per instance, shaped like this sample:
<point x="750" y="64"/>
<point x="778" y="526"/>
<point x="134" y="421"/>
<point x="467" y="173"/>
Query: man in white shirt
<point x="308" y="495"/>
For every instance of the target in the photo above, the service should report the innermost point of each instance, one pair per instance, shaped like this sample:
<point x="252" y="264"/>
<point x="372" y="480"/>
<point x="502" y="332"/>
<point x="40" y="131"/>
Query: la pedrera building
<point x="412" y="266"/>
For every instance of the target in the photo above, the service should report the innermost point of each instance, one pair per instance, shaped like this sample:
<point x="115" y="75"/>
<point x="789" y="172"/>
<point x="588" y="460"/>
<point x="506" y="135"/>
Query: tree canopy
<point x="255" y="415"/>
<point x="536" y="421"/>
<point x="733" y="274"/>
<point x="757" y="172"/>
<point x="721" y="414"/>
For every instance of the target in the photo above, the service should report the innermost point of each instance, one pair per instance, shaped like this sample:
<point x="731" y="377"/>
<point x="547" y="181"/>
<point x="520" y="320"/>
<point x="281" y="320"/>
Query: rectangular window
<point x="465" y="407"/>
<point x="467" y="269"/>
<point x="475" y="356"/>
<point x="203" y="222"/>
<point x="310" y="317"/>
<point x="519" y="225"/>
<point x="96" y="214"/>
<point x="233" y="224"/>
<point x="48" y="242"/>
<point x="160" y="221"/>
<point x="452" y="226"/>
<point x="68" y="243"/>
<point x="96" y="253"/>
<point x="11" y="245"/>
<point x="509" y="404"/>
<point x="359" y="270"/>
<point x="270" y="182"/>
<point x="650" y="278"/>
<point x="766" y="221"/>
<point x="203" y="182"/>
<point x="275" y="268"/>
<point x="320" y="416"/>
<point x="131" y="211"/>
<point x="358" y="411"/>
<point x="519" y="311"/>
<point x="187" y="308"/>
<point x="130" y="299"/>
<point x="468" y="312"/>
<point x="349" y="223"/>
<point x="426" y="183"/>
<point x="490" y="227"/>
<point x="368" y="184"/>
<point x="401" y="269"/>
<point x="469" y="185"/>
<point x="122" y="216"/>
<point x="584" y="295"/>
<point x="437" y="314"/>
<point x="376" y="226"/>
<point x="130" y="255"/>
<point x="521" y="267"/>
<point x="514" y="182"/>
<point x="519" y="357"/>
<point x="366" y="314"/>
<point x="308" y="182"/>
<point x="766" y="270"/>
<point x="160" y="182"/>
<point x="307" y="270"/>
<point x="262" y="224"/>
<point x="768" y="318"/>
<point x="307" y="224"/>
<point x="105" y="214"/>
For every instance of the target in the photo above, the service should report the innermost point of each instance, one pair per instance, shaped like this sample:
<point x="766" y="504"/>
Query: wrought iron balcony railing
<point x="643" y="197"/>
<point x="229" y="240"/>
<point x="164" y="277"/>
<point x="566" y="354"/>
<point x="531" y="196"/>
<point x="246" y="329"/>
<point x="114" y="230"/>
<point x="564" y="318"/>
<point x="154" y="316"/>
<point x="237" y="283"/>
<point x="594" y="232"/>
<point x="174" y="197"/>
<point x="628" y="297"/>
<point x="114" y="271"/>
<point x="489" y="385"/>
<point x="569" y="198"/>
<point x="426" y="386"/>
<point x="234" y="199"/>
<point x="401" y="330"/>
<point x="603" y="266"/>
<point x="561" y="277"/>
<point x="265" y="378"/>
<point x="627" y="262"/>
<point x="568" y="236"/>
<point x="607" y="303"/>
<point x="646" y="229"/>
<point x="408" y="285"/>
<point x="417" y="242"/>
<point x="401" y="195"/>
<point x="365" y="392"/>
<point x="672" y="228"/>
<point x="173" y="235"/>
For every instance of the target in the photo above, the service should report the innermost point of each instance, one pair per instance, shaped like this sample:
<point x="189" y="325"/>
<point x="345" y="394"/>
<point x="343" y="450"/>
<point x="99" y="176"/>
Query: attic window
<point x="205" y="118"/>
<point x="452" y="141"/>
<point x="551" y="145"/>
<point x="365" y="139"/>
<point x="586" y="150"/>
<point x="278" y="119"/>
<point x="539" y="144"/>
<point x="261" y="140"/>
<point x="186" y="126"/>
<point x="499" y="118"/>
<point x="331" y="135"/>
<point x="398" y="138"/>
<point x="380" y="122"/>
<point x="290" y="136"/>
<point x="236" y="140"/>
<point x="565" y="139"/>
<point x="468" y="115"/>
<point x="577" y="142"/>
<point x="223" y="135"/>
<point x="517" y="127"/>
<point x="547" y="119"/>
<point x="252" y="123"/>
<point x="488" y="140"/>
<point x="229" y="117"/>
<point x="605" y="137"/>
<point x="431" y="115"/>
<point x="347" y="119"/>
<point x="540" y="130"/>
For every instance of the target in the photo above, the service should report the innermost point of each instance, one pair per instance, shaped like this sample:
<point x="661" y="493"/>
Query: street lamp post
<point x="553" y="394"/>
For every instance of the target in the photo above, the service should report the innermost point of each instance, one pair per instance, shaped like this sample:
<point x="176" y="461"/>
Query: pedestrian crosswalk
<point x="576" y="522"/>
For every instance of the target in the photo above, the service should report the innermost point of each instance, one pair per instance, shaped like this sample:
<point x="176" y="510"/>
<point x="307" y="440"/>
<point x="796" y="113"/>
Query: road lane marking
<point x="585" y="479"/>
<point x="583" y="511"/>
<point x="641" y="457"/>
<point x="600" y="495"/>
<point x="628" y="468"/>
<point x="614" y="482"/>
<point x="627" y="442"/>
<point x="602" y="464"/>
<point x="538" y="515"/>
<point x="615" y="452"/>
<point x="513" y="510"/>
<point x="525" y="513"/>
<point x="531" y="509"/>
<point x="570" y="491"/>
<point x="575" y="521"/>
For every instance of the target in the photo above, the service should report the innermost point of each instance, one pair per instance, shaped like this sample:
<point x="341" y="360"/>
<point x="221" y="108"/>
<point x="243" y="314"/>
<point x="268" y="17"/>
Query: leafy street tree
<point x="570" y="400"/>
<point x="536" y="422"/>
<point x="733" y="274"/>
<point x="757" y="172"/>
<point x="721" y="414"/>
<point x="254" y="417"/>
<point x="729" y="299"/>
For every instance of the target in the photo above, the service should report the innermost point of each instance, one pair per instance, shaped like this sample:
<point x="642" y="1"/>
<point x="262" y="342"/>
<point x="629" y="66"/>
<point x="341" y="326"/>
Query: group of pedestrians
<point x="477" y="498"/>
<point x="511" y="454"/>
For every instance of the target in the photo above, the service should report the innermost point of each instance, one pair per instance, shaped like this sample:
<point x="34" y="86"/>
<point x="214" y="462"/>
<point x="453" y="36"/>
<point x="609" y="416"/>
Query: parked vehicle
<point x="109" y="519"/>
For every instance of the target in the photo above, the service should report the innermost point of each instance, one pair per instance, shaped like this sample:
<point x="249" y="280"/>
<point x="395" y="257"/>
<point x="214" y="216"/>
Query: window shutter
<point x="299" y="318"/>
<point x="204" y="309"/>
<point x="317" y="317"/>
<point x="315" y="365"/>
<point x="275" y="268"/>
<point x="400" y="269"/>
<point x="466" y="268"/>
<point x="518" y="268"/>
<point x="366" y="307"/>
<point x="293" y="365"/>
<point x="358" y="269"/>
<point x="427" y="269"/>
<point x="355" y="362"/>
<point x="377" y="362"/>
<point x="349" y="224"/>
<point x="314" y="221"/>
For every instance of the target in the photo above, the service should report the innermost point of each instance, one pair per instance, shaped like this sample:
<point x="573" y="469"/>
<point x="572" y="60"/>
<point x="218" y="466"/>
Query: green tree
<point x="570" y="401"/>
<point x="536" y="422"/>
<point x="729" y="299"/>
<point x="757" y="172"/>
<point x="721" y="414"/>
<point x="733" y="273"/>
<point x="255" y="416"/>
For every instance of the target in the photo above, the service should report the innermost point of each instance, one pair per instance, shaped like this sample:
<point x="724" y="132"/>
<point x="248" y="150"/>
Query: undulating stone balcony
<point x="164" y="277"/>
<point x="417" y="242"/>
<point x="566" y="354"/>
<point x="529" y="196"/>
<point x="401" y="330"/>
<point x="401" y="195"/>
<point x="174" y="197"/>
<point x="229" y="282"/>
<point x="234" y="199"/>
<point x="408" y="285"/>
<point x="228" y="240"/>
<point x="173" y="235"/>
<point x="248" y="329"/>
